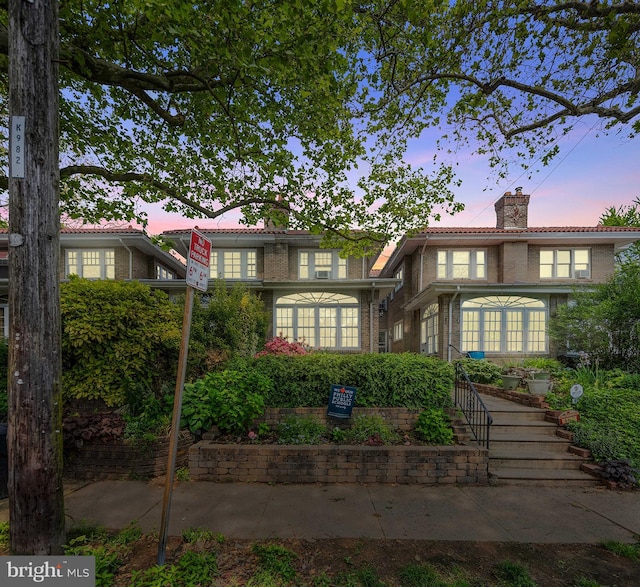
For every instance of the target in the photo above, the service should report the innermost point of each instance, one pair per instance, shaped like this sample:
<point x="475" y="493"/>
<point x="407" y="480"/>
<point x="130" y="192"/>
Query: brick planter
<point x="118" y="460"/>
<point x="209" y="461"/>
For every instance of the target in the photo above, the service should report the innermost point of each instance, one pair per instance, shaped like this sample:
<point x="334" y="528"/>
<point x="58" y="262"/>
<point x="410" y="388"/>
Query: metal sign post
<point x="197" y="277"/>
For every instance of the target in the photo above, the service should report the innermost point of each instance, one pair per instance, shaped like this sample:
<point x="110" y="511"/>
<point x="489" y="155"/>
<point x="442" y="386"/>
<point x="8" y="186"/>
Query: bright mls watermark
<point x="74" y="571"/>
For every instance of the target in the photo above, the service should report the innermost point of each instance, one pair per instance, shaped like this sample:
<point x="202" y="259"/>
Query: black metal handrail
<point x="466" y="398"/>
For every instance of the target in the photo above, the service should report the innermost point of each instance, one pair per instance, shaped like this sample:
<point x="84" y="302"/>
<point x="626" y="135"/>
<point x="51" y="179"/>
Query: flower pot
<point x="540" y="375"/>
<point x="510" y="382"/>
<point x="539" y="386"/>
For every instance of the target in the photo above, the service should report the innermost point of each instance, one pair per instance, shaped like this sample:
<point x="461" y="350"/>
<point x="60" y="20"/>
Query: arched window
<point x="504" y="324"/>
<point x="429" y="330"/>
<point x="321" y="319"/>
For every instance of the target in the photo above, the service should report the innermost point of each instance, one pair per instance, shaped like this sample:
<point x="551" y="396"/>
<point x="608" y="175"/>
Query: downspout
<point x="130" y="259"/>
<point x="371" y="308"/>
<point x="453" y="299"/>
<point x="422" y="263"/>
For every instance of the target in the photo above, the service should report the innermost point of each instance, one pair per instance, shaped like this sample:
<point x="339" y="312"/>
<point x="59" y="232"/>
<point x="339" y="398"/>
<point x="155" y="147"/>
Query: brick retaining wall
<point x="403" y="419"/>
<point x="209" y="461"/>
<point x="119" y="460"/>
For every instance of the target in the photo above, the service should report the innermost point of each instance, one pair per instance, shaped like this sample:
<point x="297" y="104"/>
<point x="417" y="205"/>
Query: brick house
<point x="101" y="253"/>
<point x="311" y="294"/>
<point x="491" y="290"/>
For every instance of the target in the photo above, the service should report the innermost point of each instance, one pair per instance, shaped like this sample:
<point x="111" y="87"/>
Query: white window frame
<point x="398" y="330"/>
<point x="247" y="266"/>
<point x="5" y="321"/>
<point x="106" y="262"/>
<point x="299" y="317"/>
<point x="429" y="330"/>
<point x="565" y="263"/>
<point x="399" y="274"/>
<point x="504" y="325"/>
<point x="164" y="274"/>
<point x="308" y="265"/>
<point x="476" y="265"/>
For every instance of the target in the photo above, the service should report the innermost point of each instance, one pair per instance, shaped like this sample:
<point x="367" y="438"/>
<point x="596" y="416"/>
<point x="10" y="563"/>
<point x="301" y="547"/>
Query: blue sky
<point x="591" y="173"/>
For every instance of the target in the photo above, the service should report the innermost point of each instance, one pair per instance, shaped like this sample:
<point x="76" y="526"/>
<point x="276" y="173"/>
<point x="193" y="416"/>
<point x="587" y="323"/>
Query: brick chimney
<point x="512" y="211"/>
<point x="278" y="216"/>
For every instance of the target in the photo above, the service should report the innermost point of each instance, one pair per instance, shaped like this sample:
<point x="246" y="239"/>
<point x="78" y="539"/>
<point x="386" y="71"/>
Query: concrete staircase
<point x="525" y="449"/>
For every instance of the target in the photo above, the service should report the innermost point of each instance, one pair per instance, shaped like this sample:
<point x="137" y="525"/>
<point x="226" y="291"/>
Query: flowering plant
<point x="279" y="345"/>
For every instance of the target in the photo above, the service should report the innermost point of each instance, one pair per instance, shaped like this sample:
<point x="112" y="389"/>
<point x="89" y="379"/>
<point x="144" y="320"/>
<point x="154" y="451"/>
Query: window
<point x="565" y="264"/>
<point x="164" y="273"/>
<point x="399" y="274"/>
<point x="429" y="330"/>
<point x="4" y="319"/>
<point x="398" y="330"/>
<point x="320" y="319"/>
<point x="233" y="264"/>
<point x="504" y="324"/>
<point x="91" y="264"/>
<point x="461" y="264"/>
<point x="321" y="265"/>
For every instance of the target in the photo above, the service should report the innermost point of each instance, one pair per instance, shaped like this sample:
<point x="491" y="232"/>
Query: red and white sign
<point x="198" y="261"/>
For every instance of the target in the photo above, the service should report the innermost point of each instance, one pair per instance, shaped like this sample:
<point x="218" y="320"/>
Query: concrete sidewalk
<point x="259" y="511"/>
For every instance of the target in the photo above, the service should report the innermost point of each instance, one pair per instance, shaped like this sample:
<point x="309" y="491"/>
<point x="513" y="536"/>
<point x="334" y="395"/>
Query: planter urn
<point x="539" y="386"/>
<point x="510" y="382"/>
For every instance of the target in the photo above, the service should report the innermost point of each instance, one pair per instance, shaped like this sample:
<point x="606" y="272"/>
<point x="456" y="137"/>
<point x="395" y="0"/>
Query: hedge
<point x="382" y="380"/>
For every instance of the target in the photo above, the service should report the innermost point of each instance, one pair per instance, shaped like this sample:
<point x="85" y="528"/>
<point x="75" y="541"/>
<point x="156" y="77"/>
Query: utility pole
<point x="34" y="436"/>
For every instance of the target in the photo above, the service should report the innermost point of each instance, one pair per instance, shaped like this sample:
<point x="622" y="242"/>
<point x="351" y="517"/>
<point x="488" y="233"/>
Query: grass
<point x="513" y="574"/>
<point x="630" y="551"/>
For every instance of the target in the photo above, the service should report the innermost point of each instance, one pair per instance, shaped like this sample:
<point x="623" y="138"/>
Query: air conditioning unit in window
<point x="323" y="274"/>
<point x="582" y="273"/>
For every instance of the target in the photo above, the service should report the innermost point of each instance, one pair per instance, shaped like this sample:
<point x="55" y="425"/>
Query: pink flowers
<point x="279" y="345"/>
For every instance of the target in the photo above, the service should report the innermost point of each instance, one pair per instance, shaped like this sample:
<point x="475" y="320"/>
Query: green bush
<point x="118" y="338"/>
<point x="371" y="427"/>
<point x="230" y="400"/>
<point x="225" y="323"/>
<point x="300" y="430"/>
<point x="382" y="380"/>
<point x="609" y="424"/>
<point x="481" y="371"/>
<point x="433" y="426"/>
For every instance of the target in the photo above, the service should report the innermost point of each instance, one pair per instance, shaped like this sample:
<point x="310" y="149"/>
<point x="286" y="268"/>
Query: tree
<point x="508" y="77"/>
<point x="624" y="216"/>
<point x="215" y="106"/>
<point x="604" y="322"/>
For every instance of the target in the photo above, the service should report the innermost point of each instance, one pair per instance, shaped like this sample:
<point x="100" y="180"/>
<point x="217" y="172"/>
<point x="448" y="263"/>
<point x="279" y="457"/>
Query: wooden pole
<point x="175" y="424"/>
<point x="34" y="435"/>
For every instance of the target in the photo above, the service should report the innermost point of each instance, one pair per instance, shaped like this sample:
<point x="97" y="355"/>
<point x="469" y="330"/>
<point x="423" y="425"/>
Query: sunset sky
<point x="591" y="173"/>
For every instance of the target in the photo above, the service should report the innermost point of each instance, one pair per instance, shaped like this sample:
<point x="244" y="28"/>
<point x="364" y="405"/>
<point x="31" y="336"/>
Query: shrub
<point x="281" y="346"/>
<point x="371" y="429"/>
<point x="230" y="400"/>
<point x="226" y="323"/>
<point x="382" y="380"/>
<point x="117" y="338"/>
<point x="481" y="371"/>
<point x="609" y="424"/>
<point x="300" y="430"/>
<point x="433" y="426"/>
